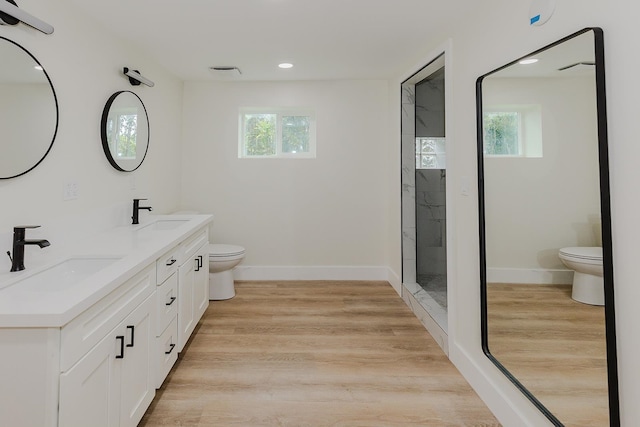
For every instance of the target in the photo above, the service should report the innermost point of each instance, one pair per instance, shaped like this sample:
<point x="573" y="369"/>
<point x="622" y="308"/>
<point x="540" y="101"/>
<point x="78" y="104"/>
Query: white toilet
<point x="586" y="262"/>
<point x="222" y="259"/>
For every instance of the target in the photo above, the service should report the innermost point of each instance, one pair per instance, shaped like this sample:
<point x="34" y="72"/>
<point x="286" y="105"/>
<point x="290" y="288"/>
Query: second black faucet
<point x="136" y="210"/>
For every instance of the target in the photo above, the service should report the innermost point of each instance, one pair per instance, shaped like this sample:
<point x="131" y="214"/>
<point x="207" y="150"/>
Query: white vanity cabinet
<point x="113" y="383"/>
<point x="193" y="286"/>
<point x="183" y="298"/>
<point x="166" y="353"/>
<point x="95" y="354"/>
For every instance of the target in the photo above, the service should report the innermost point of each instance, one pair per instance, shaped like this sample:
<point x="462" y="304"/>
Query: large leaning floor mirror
<point x="546" y="267"/>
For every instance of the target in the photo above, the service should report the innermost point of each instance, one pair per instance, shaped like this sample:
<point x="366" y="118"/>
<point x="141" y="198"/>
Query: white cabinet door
<point x="186" y="315"/>
<point x="201" y="283"/>
<point x="138" y="381"/>
<point x="193" y="292"/>
<point x="112" y="385"/>
<point x="89" y="390"/>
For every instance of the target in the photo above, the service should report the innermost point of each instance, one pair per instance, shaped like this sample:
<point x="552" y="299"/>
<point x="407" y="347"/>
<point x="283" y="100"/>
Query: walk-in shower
<point x="424" y="151"/>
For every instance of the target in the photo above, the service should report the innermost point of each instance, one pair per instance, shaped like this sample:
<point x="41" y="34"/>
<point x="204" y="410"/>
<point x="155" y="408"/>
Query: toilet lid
<point x="594" y="253"/>
<point x="220" y="250"/>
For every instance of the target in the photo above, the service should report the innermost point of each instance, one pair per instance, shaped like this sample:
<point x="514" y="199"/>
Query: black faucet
<point x="137" y="208"/>
<point x="19" y="241"/>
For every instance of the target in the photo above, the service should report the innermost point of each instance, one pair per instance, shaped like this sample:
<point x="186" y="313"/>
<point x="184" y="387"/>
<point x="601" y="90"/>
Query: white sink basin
<point x="65" y="274"/>
<point x="163" y="224"/>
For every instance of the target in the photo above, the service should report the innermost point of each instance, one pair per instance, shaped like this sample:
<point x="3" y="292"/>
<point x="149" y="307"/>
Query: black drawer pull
<point x="172" y="346"/>
<point x="133" y="332"/>
<point x="197" y="264"/>
<point x="201" y="262"/>
<point x="173" y="261"/>
<point x="121" y="355"/>
<point x="170" y="302"/>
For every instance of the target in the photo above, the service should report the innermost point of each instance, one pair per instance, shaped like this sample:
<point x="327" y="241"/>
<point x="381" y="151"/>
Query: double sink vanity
<point x="87" y="338"/>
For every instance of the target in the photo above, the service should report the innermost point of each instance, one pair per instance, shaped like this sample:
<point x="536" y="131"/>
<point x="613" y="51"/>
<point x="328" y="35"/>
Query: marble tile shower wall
<point x="408" y="184"/>
<point x="430" y="197"/>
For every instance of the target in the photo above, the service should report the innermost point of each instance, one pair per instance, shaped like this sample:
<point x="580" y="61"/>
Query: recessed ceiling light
<point x="528" y="61"/>
<point x="285" y="65"/>
<point x="38" y="67"/>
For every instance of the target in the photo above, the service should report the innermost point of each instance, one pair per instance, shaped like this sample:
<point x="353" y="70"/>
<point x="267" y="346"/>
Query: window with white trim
<point x="276" y="133"/>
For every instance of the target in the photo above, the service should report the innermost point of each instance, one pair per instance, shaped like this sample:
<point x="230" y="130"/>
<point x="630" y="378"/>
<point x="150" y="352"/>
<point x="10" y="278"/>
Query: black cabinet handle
<point x="173" y="261"/>
<point x="201" y="262"/>
<point x="121" y="355"/>
<point x="197" y="264"/>
<point x="172" y="346"/>
<point x="170" y="302"/>
<point x="133" y="333"/>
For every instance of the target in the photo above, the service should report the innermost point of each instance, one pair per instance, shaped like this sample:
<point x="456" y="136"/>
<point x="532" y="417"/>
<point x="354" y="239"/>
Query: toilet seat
<point x="586" y="255"/>
<point x="221" y="250"/>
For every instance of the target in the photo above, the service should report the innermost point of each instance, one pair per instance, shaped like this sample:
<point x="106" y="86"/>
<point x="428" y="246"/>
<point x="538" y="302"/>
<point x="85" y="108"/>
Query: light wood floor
<point x="555" y="346"/>
<point x="314" y="354"/>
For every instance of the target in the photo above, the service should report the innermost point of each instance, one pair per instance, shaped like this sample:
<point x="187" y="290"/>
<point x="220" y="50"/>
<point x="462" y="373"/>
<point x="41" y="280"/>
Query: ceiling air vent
<point x="226" y="72"/>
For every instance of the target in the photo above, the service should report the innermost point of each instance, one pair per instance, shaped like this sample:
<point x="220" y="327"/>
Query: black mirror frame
<point x="55" y="100"/>
<point x="103" y="131"/>
<point x="605" y="207"/>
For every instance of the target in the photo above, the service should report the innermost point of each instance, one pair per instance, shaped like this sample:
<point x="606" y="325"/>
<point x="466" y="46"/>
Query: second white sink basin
<point x="163" y="224"/>
<point x="65" y="274"/>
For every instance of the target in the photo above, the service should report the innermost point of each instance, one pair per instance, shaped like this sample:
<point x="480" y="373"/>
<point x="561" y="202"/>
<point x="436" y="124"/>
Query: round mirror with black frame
<point x="124" y="131"/>
<point x="543" y="188"/>
<point x="28" y="111"/>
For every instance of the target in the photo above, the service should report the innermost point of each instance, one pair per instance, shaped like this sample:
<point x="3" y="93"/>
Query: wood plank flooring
<point x="555" y="346"/>
<point x="314" y="354"/>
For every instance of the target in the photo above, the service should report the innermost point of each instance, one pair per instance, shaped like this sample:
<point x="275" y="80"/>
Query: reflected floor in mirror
<point x="554" y="346"/>
<point x="314" y="354"/>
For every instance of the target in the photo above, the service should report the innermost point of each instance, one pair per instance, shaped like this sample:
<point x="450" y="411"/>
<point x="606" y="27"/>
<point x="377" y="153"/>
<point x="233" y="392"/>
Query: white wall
<point x="327" y="211"/>
<point x="85" y="63"/>
<point x="549" y="202"/>
<point x="481" y="43"/>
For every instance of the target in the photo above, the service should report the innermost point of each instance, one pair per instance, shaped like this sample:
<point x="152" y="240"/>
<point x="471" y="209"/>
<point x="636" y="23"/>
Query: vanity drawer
<point x="193" y="243"/>
<point x="166" y="351"/>
<point x="168" y="263"/>
<point x="166" y="302"/>
<point x="89" y="328"/>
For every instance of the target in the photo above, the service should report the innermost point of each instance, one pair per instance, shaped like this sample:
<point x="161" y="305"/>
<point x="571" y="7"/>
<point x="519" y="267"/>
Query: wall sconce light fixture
<point x="11" y="14"/>
<point x="135" y="78"/>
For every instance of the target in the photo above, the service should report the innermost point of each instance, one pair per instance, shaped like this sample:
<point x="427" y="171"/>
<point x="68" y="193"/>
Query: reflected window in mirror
<point x="543" y="188"/>
<point x="512" y="130"/>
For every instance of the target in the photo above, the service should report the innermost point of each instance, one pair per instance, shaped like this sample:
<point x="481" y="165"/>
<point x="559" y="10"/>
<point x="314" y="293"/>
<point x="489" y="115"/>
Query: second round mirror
<point x="125" y="131"/>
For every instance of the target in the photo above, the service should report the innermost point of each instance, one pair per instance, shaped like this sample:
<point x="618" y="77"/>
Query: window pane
<point x="260" y="134"/>
<point x="429" y="161"/>
<point x="295" y="134"/>
<point x="501" y="133"/>
<point x="428" y="145"/>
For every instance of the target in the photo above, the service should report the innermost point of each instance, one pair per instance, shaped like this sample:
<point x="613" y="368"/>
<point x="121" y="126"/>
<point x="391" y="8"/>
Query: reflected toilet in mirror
<point x="586" y="263"/>
<point x="548" y="321"/>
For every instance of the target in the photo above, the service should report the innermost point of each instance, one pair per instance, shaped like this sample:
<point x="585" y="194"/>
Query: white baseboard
<point x="249" y="272"/>
<point x="525" y="275"/>
<point x="395" y="281"/>
<point x="507" y="403"/>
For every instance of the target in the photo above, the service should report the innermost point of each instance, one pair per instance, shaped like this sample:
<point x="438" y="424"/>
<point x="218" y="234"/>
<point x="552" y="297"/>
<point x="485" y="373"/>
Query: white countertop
<point x="55" y="304"/>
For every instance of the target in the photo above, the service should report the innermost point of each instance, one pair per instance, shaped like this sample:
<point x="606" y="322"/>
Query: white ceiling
<point x="324" y="39"/>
